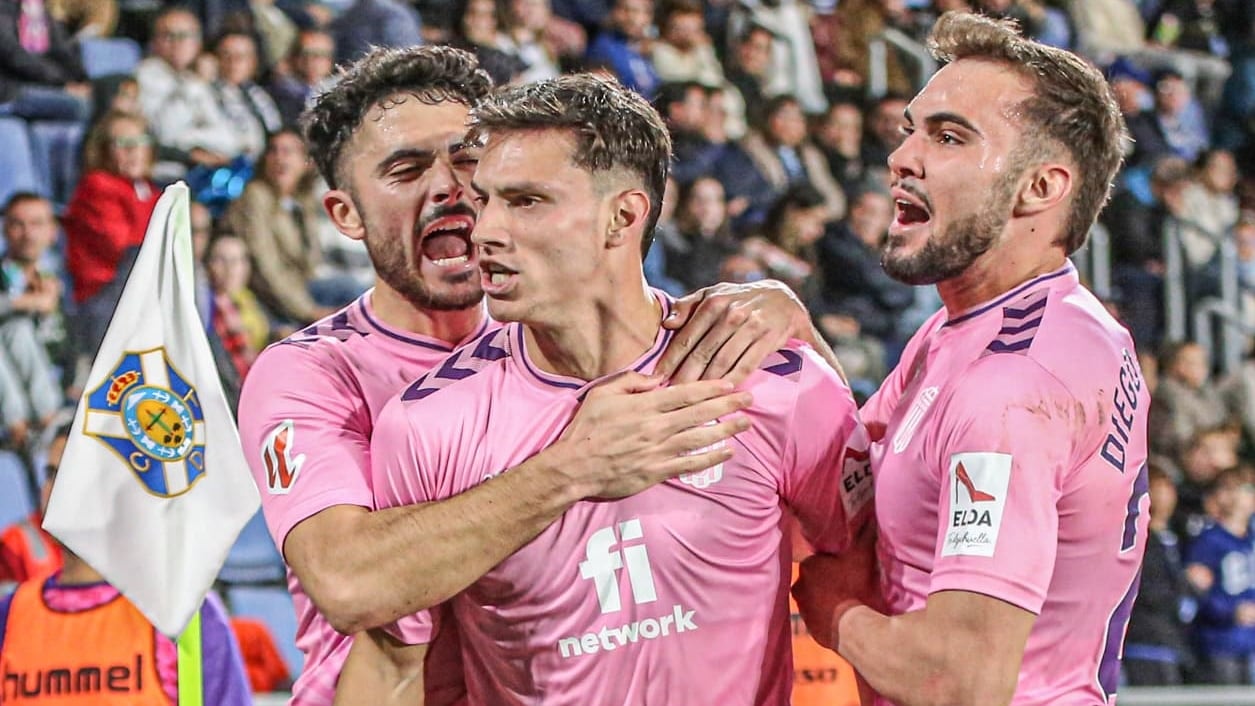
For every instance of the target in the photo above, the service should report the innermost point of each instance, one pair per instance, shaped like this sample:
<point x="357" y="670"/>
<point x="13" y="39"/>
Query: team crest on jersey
<point x="703" y="479"/>
<point x="150" y="417"/>
<point x="282" y="467"/>
<point x="978" y="497"/>
<point x="911" y="421"/>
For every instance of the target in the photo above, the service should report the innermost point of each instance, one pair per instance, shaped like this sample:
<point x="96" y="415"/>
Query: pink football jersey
<point x="306" y="414"/>
<point x="674" y="596"/>
<point x="1013" y="464"/>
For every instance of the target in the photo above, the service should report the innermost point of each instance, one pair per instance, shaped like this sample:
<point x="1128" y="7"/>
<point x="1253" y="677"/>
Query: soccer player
<point x="677" y="594"/>
<point x="1010" y="464"/>
<point x="388" y="139"/>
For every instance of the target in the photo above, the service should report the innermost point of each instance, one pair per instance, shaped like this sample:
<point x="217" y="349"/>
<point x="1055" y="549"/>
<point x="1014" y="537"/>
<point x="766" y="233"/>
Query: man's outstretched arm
<point x="365" y="569"/>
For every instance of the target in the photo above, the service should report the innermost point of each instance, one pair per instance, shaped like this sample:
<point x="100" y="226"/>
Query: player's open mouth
<point x="446" y="241"/>
<point x="909" y="213"/>
<point x="496" y="279"/>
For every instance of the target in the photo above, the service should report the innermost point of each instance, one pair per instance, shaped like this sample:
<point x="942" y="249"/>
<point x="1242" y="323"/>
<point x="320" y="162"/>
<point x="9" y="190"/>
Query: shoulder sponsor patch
<point x="978" y="494"/>
<point x="282" y="467"/>
<point x="857" y="487"/>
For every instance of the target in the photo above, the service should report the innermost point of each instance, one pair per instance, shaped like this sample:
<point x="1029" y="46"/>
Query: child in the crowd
<point x="1225" y="628"/>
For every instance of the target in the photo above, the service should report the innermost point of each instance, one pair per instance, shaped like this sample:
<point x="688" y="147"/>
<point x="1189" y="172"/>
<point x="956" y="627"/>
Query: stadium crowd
<point x="782" y="114"/>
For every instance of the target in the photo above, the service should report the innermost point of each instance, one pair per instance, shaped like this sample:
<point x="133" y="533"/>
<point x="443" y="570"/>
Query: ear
<point x="1047" y="186"/>
<point x="344" y="214"/>
<point x="629" y="211"/>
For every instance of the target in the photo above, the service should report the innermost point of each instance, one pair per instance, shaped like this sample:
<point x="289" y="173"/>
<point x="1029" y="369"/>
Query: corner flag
<point x="153" y="487"/>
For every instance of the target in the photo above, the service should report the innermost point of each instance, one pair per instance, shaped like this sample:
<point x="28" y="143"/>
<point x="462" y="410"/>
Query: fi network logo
<point x="607" y="553"/>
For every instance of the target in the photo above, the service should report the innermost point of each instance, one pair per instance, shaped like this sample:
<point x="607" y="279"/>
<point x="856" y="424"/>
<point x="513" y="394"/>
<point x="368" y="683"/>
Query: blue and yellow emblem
<point x="149" y="415"/>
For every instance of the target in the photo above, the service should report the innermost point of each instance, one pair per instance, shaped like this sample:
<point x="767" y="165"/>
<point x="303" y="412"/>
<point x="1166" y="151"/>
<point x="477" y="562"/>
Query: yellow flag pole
<point x="191" y="674"/>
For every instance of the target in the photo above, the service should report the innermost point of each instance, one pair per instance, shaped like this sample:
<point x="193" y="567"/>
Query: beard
<point x="949" y="253"/>
<point x="396" y="269"/>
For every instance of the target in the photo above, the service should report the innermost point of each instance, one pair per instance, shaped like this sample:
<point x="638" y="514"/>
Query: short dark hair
<point x="1072" y="109"/>
<point x="431" y="74"/>
<point x="22" y="197"/>
<point x="614" y="128"/>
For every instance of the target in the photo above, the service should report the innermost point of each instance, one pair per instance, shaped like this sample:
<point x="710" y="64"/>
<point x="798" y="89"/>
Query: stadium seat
<point x="106" y="56"/>
<point x="273" y="606"/>
<point x="19" y="172"/>
<point x="16" y="499"/>
<point x="254" y="558"/>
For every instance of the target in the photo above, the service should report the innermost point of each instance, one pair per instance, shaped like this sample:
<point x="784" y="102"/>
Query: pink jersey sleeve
<point x="395" y="456"/>
<point x="1003" y="441"/>
<point x="827" y="481"/>
<point x="306" y="436"/>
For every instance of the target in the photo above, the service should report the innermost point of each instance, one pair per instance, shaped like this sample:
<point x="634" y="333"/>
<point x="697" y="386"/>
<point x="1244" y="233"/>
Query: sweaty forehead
<point x="987" y="93"/>
<point x="404" y="122"/>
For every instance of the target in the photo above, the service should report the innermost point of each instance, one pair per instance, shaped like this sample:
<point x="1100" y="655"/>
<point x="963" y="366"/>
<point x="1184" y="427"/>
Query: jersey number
<point x="1113" y="643"/>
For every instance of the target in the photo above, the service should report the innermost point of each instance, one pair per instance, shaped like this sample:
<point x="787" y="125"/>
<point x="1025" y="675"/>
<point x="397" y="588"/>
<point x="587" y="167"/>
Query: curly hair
<point x="1072" y="110"/>
<point x="431" y="74"/>
<point x="615" y="129"/>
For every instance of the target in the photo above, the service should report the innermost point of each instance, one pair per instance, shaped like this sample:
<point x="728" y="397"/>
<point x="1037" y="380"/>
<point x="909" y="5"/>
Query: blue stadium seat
<point x="272" y="606"/>
<point x="15" y="491"/>
<point x="253" y="558"/>
<point x="105" y="56"/>
<point x="19" y="172"/>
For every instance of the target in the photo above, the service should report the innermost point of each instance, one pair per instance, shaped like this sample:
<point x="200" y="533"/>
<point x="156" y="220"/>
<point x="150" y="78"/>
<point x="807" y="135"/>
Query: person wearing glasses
<point x="106" y="218"/>
<point x="313" y="58"/>
<point x="186" y="120"/>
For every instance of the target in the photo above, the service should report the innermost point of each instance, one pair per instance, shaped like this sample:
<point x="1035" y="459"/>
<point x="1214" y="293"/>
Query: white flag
<point x="153" y="487"/>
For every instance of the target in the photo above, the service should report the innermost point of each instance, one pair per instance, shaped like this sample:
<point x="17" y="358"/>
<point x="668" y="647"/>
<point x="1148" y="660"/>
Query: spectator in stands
<point x="1157" y="651"/>
<point x="1137" y="240"/>
<point x="885" y="124"/>
<point x="374" y="23"/>
<point x="1186" y="401"/>
<point x="250" y="109"/>
<point x="478" y="32"/>
<point x="705" y="235"/>
<point x="26" y="551"/>
<point x="786" y="243"/>
<point x="74" y="619"/>
<point x="1106" y="29"/>
<point x="41" y="75"/>
<point x="189" y="126"/>
<point x="684" y="52"/>
<point x="1179" y="118"/>
<point x="685" y="107"/>
<point x="312" y="61"/>
<point x="749" y="68"/>
<point x="526" y="33"/>
<point x="1238" y="389"/>
<point x="774" y="156"/>
<point x="276" y="216"/>
<point x="1209" y="453"/>
<point x="106" y="219"/>
<point x="854" y="283"/>
<point x="625" y="47"/>
<point x="237" y="317"/>
<point x="795" y="70"/>
<point x="30" y="317"/>
<point x="839" y="135"/>
<point x="1225" y="629"/>
<point x="847" y="57"/>
<point x="85" y="18"/>
<point x="1211" y="205"/>
<point x="275" y="30"/>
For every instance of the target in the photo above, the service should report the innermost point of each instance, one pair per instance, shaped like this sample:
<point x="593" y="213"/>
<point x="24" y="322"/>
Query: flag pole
<point x="191" y="666"/>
